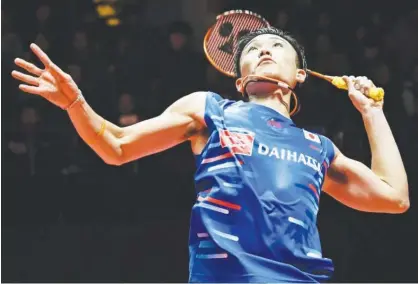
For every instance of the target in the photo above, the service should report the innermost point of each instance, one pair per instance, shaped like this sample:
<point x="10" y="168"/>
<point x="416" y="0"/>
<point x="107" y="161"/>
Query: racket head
<point x="221" y="40"/>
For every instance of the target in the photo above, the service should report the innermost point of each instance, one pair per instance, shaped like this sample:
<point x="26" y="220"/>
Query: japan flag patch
<point x="311" y="136"/>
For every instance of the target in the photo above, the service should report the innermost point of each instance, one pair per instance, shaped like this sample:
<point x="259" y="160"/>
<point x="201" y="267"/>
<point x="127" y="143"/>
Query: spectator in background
<point x="381" y="74"/>
<point x="366" y="52"/>
<point x="340" y="63"/>
<point x="183" y="70"/>
<point x="45" y="35"/>
<point x="323" y="48"/>
<point x="410" y="102"/>
<point x="11" y="43"/>
<point x="124" y="59"/>
<point x="404" y="41"/>
<point x="282" y="20"/>
<point x="11" y="46"/>
<point x="43" y="18"/>
<point x="72" y="156"/>
<point x="152" y="98"/>
<point x="324" y="22"/>
<point x="81" y="52"/>
<point x="371" y="51"/>
<point x="376" y="25"/>
<point x="127" y="110"/>
<point x="179" y="36"/>
<point x="30" y="150"/>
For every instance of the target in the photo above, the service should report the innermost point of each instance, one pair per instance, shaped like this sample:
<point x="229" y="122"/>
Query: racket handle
<point x="376" y="94"/>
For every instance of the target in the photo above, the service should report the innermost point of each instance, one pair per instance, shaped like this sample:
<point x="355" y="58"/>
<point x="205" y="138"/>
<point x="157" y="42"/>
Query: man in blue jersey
<point x="259" y="177"/>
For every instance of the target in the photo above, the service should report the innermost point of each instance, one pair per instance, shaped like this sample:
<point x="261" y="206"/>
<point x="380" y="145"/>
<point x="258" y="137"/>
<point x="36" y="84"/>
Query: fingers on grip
<point x="377" y="94"/>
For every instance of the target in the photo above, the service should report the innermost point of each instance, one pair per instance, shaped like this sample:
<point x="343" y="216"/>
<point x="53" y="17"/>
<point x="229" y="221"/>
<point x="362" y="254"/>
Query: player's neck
<point x="275" y="100"/>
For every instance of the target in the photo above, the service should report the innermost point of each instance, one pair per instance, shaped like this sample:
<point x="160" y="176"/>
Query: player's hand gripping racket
<point x="220" y="44"/>
<point x="377" y="94"/>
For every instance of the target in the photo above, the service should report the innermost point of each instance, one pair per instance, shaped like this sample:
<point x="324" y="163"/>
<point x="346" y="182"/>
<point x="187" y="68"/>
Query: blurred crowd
<point x="134" y="71"/>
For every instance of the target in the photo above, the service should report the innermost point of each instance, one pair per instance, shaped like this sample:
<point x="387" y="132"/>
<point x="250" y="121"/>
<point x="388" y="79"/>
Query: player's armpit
<point x="356" y="186"/>
<point x="178" y="123"/>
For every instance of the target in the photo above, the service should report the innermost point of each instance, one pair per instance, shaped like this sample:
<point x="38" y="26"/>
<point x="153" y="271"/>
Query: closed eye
<point x="252" y="48"/>
<point x="278" y="44"/>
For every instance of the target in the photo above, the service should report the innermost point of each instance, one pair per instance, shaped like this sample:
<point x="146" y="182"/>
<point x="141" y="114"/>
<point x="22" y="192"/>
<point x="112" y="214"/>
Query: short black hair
<point x="244" y="40"/>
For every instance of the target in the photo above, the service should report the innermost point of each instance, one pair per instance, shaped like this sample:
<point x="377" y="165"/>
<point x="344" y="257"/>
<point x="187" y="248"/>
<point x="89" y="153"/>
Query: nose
<point x="264" y="52"/>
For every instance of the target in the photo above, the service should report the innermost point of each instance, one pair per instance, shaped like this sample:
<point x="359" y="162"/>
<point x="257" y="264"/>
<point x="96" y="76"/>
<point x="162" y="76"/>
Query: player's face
<point x="271" y="56"/>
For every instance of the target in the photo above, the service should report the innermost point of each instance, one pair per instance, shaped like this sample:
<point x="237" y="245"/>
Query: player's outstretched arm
<point x="384" y="187"/>
<point x="115" y="145"/>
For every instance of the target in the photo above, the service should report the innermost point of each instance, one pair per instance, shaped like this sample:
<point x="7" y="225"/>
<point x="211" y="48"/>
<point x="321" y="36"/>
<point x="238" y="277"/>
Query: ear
<point x="300" y="75"/>
<point x="239" y="85"/>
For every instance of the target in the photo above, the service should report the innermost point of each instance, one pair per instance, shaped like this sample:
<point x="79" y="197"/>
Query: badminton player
<point x="258" y="176"/>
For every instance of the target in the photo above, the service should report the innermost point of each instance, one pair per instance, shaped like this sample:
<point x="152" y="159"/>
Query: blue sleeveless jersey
<point x="258" y="183"/>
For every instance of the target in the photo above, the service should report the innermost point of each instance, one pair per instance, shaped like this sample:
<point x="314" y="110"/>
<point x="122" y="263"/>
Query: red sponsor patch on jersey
<point x="239" y="143"/>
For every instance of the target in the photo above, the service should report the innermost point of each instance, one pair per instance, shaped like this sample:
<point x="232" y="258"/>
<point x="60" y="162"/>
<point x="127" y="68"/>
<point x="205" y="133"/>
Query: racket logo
<point x="238" y="143"/>
<point x="221" y="39"/>
<point x="225" y="31"/>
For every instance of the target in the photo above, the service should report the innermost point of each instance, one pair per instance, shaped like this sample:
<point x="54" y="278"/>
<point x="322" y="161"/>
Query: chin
<point x="269" y="70"/>
<point x="273" y="74"/>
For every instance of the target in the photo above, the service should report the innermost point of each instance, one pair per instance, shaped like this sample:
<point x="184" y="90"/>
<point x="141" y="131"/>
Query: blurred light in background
<point x="112" y="22"/>
<point x="105" y="11"/>
<point x="109" y="10"/>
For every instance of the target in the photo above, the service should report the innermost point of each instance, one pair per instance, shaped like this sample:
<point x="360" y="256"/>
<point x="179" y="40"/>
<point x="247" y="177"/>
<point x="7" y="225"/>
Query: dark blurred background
<point x="69" y="217"/>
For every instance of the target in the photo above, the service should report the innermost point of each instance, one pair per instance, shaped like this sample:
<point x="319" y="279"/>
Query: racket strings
<point x="222" y="40"/>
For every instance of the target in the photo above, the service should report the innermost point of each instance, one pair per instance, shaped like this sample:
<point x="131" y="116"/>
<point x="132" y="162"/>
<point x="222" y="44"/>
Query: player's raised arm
<point x="115" y="145"/>
<point x="384" y="187"/>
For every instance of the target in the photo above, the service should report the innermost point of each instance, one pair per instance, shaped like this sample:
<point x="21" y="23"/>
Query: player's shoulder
<point x="216" y="101"/>
<point x="203" y="96"/>
<point x="218" y="98"/>
<point x="197" y="104"/>
<point x="189" y="104"/>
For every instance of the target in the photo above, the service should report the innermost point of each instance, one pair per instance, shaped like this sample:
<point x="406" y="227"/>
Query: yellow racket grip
<point x="377" y="94"/>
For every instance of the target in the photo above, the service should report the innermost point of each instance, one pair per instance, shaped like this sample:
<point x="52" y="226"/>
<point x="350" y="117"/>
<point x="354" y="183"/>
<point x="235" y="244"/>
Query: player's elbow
<point x="403" y="198"/>
<point x="113" y="157"/>
<point x="404" y="204"/>
<point x="120" y="157"/>
<point x="113" y="161"/>
<point x="399" y="205"/>
<point x="397" y="199"/>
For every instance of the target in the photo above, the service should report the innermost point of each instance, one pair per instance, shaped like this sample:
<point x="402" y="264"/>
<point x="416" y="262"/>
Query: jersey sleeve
<point x="329" y="150"/>
<point x="214" y="114"/>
